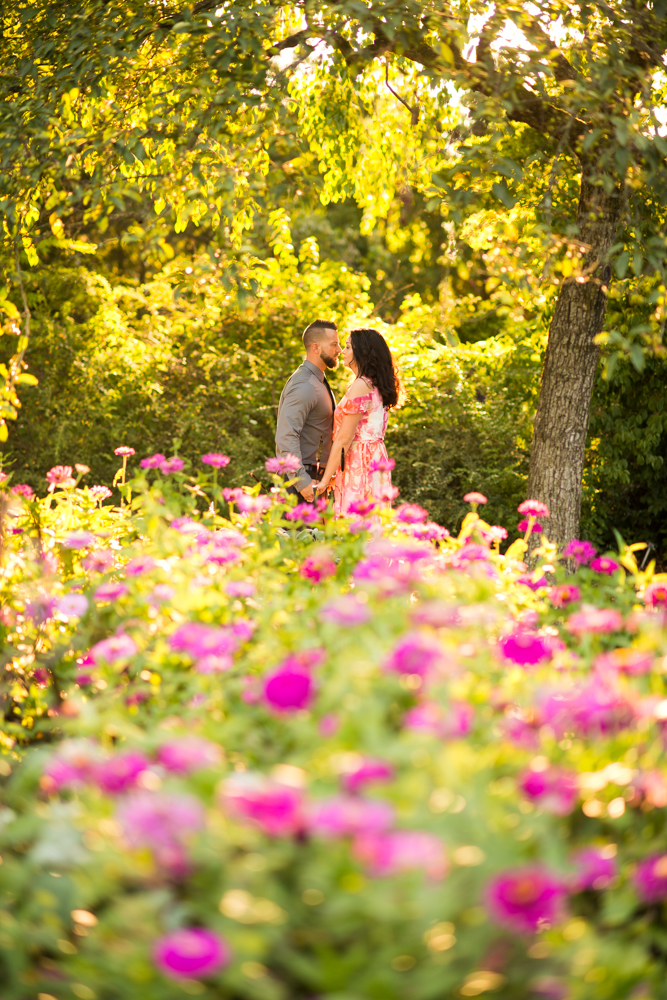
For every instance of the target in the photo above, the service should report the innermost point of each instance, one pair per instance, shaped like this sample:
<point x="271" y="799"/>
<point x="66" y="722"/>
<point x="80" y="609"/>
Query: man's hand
<point x="308" y="493"/>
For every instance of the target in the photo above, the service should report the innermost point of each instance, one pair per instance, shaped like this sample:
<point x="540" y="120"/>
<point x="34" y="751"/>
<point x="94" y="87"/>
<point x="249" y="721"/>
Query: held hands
<point x="308" y="493"/>
<point x="322" y="487"/>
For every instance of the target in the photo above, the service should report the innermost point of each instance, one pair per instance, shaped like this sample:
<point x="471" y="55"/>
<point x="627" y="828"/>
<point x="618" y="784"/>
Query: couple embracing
<point x="340" y="446"/>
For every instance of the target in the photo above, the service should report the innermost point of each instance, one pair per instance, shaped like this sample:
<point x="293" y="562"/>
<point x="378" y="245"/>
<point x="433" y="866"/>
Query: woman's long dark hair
<point x="374" y="362"/>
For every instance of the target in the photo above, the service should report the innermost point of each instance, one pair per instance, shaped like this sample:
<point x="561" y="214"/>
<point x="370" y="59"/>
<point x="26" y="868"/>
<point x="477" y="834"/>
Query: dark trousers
<point x="315" y="473"/>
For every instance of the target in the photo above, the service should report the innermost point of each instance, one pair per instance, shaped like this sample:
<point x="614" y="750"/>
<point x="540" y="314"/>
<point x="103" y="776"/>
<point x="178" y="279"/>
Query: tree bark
<point x="563" y="410"/>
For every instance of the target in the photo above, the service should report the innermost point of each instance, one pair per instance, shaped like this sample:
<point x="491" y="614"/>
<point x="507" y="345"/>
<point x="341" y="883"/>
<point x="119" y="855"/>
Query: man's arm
<point x="298" y="400"/>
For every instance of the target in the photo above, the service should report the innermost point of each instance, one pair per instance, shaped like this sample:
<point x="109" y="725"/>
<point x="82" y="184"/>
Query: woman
<point x="360" y="422"/>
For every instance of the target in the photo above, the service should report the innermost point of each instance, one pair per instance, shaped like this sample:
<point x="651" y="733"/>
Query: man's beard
<point x="329" y="361"/>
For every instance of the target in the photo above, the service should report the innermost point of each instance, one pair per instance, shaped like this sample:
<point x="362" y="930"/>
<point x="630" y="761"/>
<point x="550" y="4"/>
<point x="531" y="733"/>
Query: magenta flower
<point x="468" y="555"/>
<point x="161" y="592"/>
<point x="528" y="581"/>
<point x="290" y="687"/>
<point x="655" y="595"/>
<point x="163" y="823"/>
<point x="229" y="536"/>
<point x="361" y="508"/>
<point x="110" y="591"/>
<point x="99" y="493"/>
<point x="190" y="753"/>
<point x="370" y="771"/>
<point x="625" y="660"/>
<point x="98" y="561"/>
<point x="71" y="766"/>
<point x="222" y="555"/>
<point x="274" y="808"/>
<point x="525" y="648"/>
<point x="139" y="566"/>
<point x="429" y="532"/>
<point x="78" y="539"/>
<point x="522" y="528"/>
<point x="72" y="605"/>
<point x="283" y="463"/>
<point x="171" y="465"/>
<point x="581" y="552"/>
<point x="347" y="815"/>
<point x="475" y="498"/>
<point x="22" y="490"/>
<point x="415" y="653"/>
<point x="232" y="495"/>
<point x="215" y="459"/>
<point x="533" y="508"/>
<point x="240" y="588"/>
<point x="382" y="465"/>
<point x="40" y="677"/>
<point x="603" y="564"/>
<point x="318" y="567"/>
<point x="60" y="475"/>
<point x="41" y="608"/>
<point x="347" y="611"/>
<point x="426" y="718"/>
<point x="199" y="640"/>
<point x="650" y="878"/>
<point x="120" y="772"/>
<point x="526" y="899"/>
<point x="395" y="851"/>
<point x="564" y="594"/>
<point x="497" y="533"/>
<point x="117" y="647"/>
<point x="457" y="721"/>
<point x="586" y="710"/>
<point x="304" y="513"/>
<point x="594" y="620"/>
<point x="243" y="630"/>
<point x="555" y="789"/>
<point x="124" y="451"/>
<point x="153" y="461"/>
<point x="253" y="505"/>
<point x="594" y="869"/>
<point x="191" y="952"/>
<point x="411" y="513"/>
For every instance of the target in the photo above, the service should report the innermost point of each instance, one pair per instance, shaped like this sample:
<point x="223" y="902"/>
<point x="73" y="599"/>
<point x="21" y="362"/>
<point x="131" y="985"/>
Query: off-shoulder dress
<point x="360" y="481"/>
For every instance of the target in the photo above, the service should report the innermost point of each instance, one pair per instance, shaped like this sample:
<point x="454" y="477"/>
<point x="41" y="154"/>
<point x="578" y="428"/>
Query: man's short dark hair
<point x="316" y="331"/>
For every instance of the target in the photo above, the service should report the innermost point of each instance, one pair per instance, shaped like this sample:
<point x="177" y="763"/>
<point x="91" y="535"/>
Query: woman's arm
<point x="343" y="439"/>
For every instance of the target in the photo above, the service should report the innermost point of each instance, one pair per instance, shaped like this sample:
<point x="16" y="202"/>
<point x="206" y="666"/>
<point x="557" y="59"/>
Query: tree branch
<point x="414" y="112"/>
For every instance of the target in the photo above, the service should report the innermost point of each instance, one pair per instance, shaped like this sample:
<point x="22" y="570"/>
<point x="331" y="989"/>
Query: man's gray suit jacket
<point x="305" y="420"/>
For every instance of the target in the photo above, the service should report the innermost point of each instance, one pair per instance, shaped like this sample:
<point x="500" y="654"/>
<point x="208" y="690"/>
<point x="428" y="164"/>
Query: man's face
<point x="330" y="349"/>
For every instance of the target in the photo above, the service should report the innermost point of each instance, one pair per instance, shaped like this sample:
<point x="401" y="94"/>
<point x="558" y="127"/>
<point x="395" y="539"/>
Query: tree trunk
<point x="561" y="421"/>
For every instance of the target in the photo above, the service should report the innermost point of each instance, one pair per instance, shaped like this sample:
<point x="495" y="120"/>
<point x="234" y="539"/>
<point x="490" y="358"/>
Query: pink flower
<point x="594" y="869"/>
<point x="212" y="664"/>
<point x="655" y="595"/>
<point x="469" y="554"/>
<point x="555" y="789"/>
<point x="369" y="771"/>
<point x="40" y="677"/>
<point x="625" y="660"/>
<point x="581" y="552"/>
<point x="117" y="647"/>
<point x="497" y="533"/>
<point x="389" y="493"/>
<point x="99" y="493"/>
<point x="533" y="508"/>
<point x="564" y="594"/>
<point x="161" y="592"/>
<point x="415" y="653"/>
<point x="290" y="687"/>
<point x="522" y="528"/>
<point x="124" y="451"/>
<point x="139" y="566"/>
<point x="526" y="899"/>
<point x="41" y="608"/>
<point x="71" y="766"/>
<point x="594" y="620"/>
<point x="229" y="536"/>
<point x="120" y="772"/>
<point x="98" y="561"/>
<point x="190" y="753"/>
<point x="603" y="564"/>
<point x="199" y="640"/>
<point x="72" y="605"/>
<point x="475" y="498"/>
<point x="425" y="718"/>
<point x="429" y="532"/>
<point x="394" y="851"/>
<point x="650" y="878"/>
<point x="437" y="614"/>
<point x="77" y="539"/>
<point x="232" y="495"/>
<point x="191" y="952"/>
<point x="274" y="808"/>
<point x="110" y="591"/>
<point x="328" y="725"/>
<point x="60" y="475"/>
<point x="347" y="815"/>
<point x="411" y="513"/>
<point x="243" y="630"/>
<point x="347" y="611"/>
<point x="525" y="648"/>
<point x="318" y="567"/>
<point x="240" y="588"/>
<point x="382" y="465"/>
<point x="361" y="508"/>
<point x="284" y="463"/>
<point x="153" y="461"/>
<point x="22" y="490"/>
<point x="586" y="710"/>
<point x="215" y="459"/>
<point x="170" y="465"/>
<point x="303" y="512"/>
<point x="534" y="585"/>
<point x="253" y="505"/>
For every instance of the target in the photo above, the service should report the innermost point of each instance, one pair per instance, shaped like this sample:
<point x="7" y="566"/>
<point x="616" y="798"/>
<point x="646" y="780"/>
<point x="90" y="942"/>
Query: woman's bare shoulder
<point x="358" y="388"/>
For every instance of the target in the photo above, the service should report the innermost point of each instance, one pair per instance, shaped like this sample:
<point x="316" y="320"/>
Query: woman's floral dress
<point x="360" y="481"/>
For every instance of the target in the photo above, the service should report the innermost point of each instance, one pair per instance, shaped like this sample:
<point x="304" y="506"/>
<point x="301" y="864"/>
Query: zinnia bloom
<point x="650" y="878"/>
<point x="411" y="513"/>
<point x="361" y="508"/>
<point x="382" y="465"/>
<point x="603" y="564"/>
<point x="533" y="508"/>
<point x="124" y="451"/>
<point x="595" y="869"/>
<point x="369" y="771"/>
<point x="655" y="595"/>
<point x="318" y="567"/>
<point x="290" y="687"/>
<point x="60" y="475"/>
<point x="555" y="789"/>
<point x="564" y="594"/>
<point x="394" y="851"/>
<point x="303" y="512"/>
<point x="199" y="640"/>
<point x="522" y="527"/>
<point x="110" y="591"/>
<point x="171" y="465"/>
<point x="153" y="461"/>
<point x="582" y="552"/>
<point x="283" y="463"/>
<point x="78" y="539"/>
<point x="72" y="605"/>
<point x="475" y="498"/>
<point x="626" y="660"/>
<point x="347" y="610"/>
<point x="525" y="648"/>
<point x="99" y="493"/>
<point x="429" y="532"/>
<point x="416" y="653"/>
<point x="274" y="808"/>
<point x="117" y="647"/>
<point x="526" y="899"/>
<point x="191" y="952"/>
<point x="120" y="772"/>
<point x="190" y="753"/>
<point x="254" y="505"/>
<point x="595" y="620"/>
<point x="346" y="815"/>
<point x="215" y="459"/>
<point x="240" y="588"/>
<point x="22" y="490"/>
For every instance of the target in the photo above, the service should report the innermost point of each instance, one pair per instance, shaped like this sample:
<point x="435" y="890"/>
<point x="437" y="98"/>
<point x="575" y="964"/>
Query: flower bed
<point x="273" y="755"/>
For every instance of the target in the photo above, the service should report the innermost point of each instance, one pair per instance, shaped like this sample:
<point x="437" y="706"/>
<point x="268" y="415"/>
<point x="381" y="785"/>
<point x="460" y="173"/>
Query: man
<point x="306" y="408"/>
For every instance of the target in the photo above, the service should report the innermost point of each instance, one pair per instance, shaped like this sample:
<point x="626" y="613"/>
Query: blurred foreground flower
<point x="581" y="552"/>
<point x="274" y="808"/>
<point x="533" y="508"/>
<point x="215" y="459"/>
<point x="347" y="610"/>
<point x="526" y="899"/>
<point x="394" y="851"/>
<point x="59" y="475"/>
<point x="650" y="878"/>
<point x="191" y="952"/>
<point x="283" y="463"/>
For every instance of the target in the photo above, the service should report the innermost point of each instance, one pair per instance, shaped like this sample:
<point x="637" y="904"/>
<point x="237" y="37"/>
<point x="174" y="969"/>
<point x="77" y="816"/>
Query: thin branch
<point x="414" y="112"/>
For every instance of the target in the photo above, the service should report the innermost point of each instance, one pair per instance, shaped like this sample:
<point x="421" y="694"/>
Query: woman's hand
<point x="322" y="486"/>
